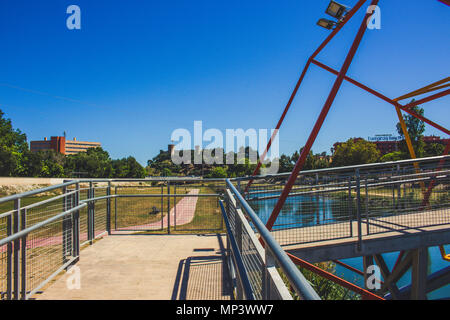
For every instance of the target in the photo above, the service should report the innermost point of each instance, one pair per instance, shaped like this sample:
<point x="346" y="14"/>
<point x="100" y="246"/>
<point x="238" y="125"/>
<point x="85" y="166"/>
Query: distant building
<point x="388" y="143"/>
<point x="436" y="139"/>
<point x="61" y="145"/>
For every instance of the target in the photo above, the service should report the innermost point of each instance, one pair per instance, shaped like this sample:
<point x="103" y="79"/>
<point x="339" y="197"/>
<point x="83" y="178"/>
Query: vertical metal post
<point x="108" y="208"/>
<point x="266" y="283"/>
<point x="16" y="226"/>
<point x="168" y="207"/>
<point x="93" y="213"/>
<point x="367" y="203"/>
<point x="76" y="223"/>
<point x="162" y="207"/>
<point x="419" y="274"/>
<point x="393" y="192"/>
<point x="175" y="207"/>
<point x="350" y="206"/>
<point x="115" y="208"/>
<point x="367" y="261"/>
<point x="23" y="289"/>
<point x="399" y="186"/>
<point x="9" y="259"/>
<point x="358" y="208"/>
<point x="90" y="215"/>
<point x="64" y="225"/>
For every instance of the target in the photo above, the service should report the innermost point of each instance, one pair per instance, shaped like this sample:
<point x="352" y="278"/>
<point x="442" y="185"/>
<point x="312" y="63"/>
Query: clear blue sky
<point x="139" y="69"/>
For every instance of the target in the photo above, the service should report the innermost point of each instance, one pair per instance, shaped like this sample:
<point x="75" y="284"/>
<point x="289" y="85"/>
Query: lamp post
<point x="335" y="10"/>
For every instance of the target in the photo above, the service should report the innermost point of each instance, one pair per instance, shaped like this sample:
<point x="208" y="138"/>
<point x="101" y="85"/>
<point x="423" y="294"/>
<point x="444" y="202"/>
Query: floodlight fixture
<point x="327" y="24"/>
<point x="337" y="10"/>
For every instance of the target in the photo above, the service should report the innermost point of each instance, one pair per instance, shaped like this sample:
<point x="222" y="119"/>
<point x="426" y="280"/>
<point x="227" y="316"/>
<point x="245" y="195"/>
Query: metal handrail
<point x="343" y="188"/>
<point x="36" y="226"/>
<point x="343" y="169"/>
<point x="296" y="278"/>
<point x="37" y="191"/>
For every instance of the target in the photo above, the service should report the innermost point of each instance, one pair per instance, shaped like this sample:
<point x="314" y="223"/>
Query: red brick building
<point x="62" y="145"/>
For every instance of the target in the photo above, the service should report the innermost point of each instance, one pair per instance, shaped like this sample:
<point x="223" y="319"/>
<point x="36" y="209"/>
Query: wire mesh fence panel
<point x="326" y="205"/>
<point x="313" y="211"/>
<point x="139" y="212"/>
<point x="83" y="195"/>
<point x="47" y="249"/>
<point x="253" y="262"/>
<point x="411" y="198"/>
<point x="100" y="210"/>
<point x="195" y="212"/>
<point x="3" y="258"/>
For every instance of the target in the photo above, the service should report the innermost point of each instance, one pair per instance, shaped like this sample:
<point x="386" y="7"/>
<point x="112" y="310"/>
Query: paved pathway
<point x="185" y="212"/>
<point x="150" y="267"/>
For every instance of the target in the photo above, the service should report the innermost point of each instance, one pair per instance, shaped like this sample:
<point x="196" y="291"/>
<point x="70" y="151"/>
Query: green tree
<point x="285" y="164"/>
<point x="434" y="149"/>
<point x="393" y="156"/>
<point x="12" y="144"/>
<point x="128" y="168"/>
<point x="95" y="162"/>
<point x="354" y="152"/>
<point x="416" y="128"/>
<point x="218" y="172"/>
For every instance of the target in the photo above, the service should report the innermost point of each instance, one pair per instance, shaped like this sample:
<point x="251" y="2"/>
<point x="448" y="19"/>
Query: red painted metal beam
<point x="447" y="2"/>
<point x="349" y="267"/>
<point x="344" y="283"/>
<point x="301" y="160"/>
<point x="383" y="97"/>
<point x="427" y="99"/>
<point x="348" y="16"/>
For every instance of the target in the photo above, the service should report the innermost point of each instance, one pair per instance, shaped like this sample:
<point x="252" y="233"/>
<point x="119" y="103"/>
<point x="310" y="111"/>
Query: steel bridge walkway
<point x="333" y="241"/>
<point x="148" y="267"/>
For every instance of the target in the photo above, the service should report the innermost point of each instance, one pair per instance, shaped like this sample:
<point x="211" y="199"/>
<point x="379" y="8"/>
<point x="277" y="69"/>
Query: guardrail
<point x="253" y="264"/>
<point x="357" y="201"/>
<point x="41" y="231"/>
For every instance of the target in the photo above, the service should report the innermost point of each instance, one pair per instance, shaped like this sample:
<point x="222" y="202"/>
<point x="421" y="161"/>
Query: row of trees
<point x="16" y="160"/>
<point x="352" y="152"/>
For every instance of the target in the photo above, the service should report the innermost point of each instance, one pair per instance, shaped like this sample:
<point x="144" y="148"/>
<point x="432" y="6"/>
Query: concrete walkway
<point x="162" y="267"/>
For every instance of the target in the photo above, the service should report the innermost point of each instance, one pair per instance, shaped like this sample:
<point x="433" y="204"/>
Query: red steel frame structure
<point x="341" y="76"/>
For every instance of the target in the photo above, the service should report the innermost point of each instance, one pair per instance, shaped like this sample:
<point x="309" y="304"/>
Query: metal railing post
<point x="367" y="203"/>
<point x="399" y="186"/>
<point x="269" y="262"/>
<point x="93" y="214"/>
<point x="175" y="208"/>
<point x="76" y="223"/>
<point x="23" y="289"/>
<point x="90" y="216"/>
<point x="162" y="207"/>
<point x="64" y="226"/>
<point x="16" y="227"/>
<point x="9" y="259"/>
<point x="115" y="208"/>
<point x="238" y="236"/>
<point x="393" y="192"/>
<point x="350" y="206"/>
<point x="358" y="208"/>
<point x="108" y="208"/>
<point x="168" y="207"/>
